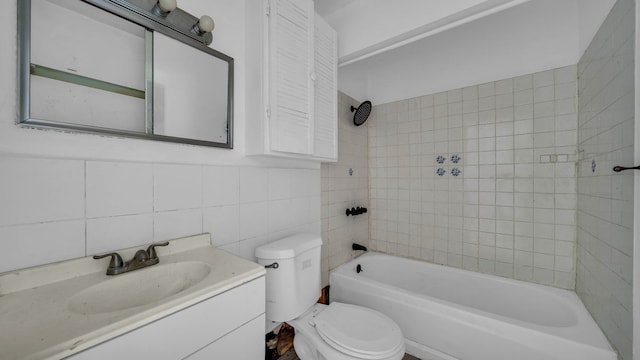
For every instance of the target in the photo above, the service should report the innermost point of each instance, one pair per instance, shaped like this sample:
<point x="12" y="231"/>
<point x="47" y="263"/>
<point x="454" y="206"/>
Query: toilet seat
<point x="359" y="332"/>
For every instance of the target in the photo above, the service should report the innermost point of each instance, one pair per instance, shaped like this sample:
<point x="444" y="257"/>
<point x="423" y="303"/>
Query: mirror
<point x="100" y="66"/>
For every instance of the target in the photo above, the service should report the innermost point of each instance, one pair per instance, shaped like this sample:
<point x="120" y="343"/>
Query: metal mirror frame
<point x="145" y="19"/>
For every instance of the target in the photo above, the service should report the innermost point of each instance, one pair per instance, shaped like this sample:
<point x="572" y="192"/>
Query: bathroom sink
<point x="56" y="310"/>
<point x="138" y="288"/>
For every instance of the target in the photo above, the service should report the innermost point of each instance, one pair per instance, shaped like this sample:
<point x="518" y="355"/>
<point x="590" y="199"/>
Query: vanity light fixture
<point x="203" y="26"/>
<point x="163" y="7"/>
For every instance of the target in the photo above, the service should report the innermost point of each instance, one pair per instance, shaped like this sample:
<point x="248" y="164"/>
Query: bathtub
<point x="450" y="314"/>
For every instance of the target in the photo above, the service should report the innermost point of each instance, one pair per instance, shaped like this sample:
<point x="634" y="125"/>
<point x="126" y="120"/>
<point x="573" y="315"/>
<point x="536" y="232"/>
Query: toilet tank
<point x="294" y="286"/>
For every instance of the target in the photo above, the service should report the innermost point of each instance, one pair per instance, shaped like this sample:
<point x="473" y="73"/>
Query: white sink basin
<point x="139" y="287"/>
<point x="57" y="310"/>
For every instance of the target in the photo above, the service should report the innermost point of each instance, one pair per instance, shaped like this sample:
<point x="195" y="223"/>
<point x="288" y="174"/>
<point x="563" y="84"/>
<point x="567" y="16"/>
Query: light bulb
<point x="206" y="24"/>
<point x="163" y="7"/>
<point x="167" y="5"/>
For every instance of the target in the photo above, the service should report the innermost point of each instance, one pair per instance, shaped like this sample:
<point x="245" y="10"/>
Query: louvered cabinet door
<point x="290" y="76"/>
<point x="325" y="119"/>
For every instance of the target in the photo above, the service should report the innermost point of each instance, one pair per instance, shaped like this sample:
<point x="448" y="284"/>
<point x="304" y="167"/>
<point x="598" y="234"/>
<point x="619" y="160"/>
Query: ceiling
<point x="392" y="50"/>
<point x="328" y="7"/>
<point x="369" y="27"/>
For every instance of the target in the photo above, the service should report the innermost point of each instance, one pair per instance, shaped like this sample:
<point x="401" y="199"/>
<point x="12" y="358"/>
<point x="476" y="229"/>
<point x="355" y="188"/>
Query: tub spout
<point x="355" y="246"/>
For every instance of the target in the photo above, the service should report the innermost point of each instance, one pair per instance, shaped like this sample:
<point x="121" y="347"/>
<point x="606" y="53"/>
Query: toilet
<point x="323" y="332"/>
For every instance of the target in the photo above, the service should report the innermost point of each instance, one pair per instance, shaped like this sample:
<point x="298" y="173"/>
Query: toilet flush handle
<point x="272" y="266"/>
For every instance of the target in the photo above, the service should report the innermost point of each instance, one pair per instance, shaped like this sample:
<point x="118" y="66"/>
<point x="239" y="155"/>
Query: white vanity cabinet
<point x="292" y="81"/>
<point x="229" y="325"/>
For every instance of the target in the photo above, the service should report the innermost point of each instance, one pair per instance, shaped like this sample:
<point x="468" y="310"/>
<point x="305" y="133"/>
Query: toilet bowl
<point x="323" y="332"/>
<point x="346" y="332"/>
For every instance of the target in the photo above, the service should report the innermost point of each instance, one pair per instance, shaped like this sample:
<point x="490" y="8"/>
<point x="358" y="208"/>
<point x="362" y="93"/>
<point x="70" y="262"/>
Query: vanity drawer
<point x="235" y="345"/>
<point x="185" y="332"/>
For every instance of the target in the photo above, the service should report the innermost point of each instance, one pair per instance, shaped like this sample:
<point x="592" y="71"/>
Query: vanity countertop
<point x="39" y="323"/>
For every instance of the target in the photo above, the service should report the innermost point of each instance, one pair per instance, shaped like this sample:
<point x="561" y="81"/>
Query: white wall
<point x="64" y="195"/>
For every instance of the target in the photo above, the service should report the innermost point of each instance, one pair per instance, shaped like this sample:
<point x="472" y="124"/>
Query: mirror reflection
<point x="87" y="69"/>
<point x="174" y="76"/>
<point x="70" y="80"/>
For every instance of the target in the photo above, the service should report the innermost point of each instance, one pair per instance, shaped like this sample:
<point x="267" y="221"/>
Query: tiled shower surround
<point x="605" y="199"/>
<point x="481" y="178"/>
<point x="344" y="185"/>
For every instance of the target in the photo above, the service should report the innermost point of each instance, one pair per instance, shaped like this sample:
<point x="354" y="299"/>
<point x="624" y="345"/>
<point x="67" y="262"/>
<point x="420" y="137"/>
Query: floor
<point x="291" y="355"/>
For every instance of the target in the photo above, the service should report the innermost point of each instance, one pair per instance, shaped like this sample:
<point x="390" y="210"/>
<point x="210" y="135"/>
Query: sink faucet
<point x="141" y="259"/>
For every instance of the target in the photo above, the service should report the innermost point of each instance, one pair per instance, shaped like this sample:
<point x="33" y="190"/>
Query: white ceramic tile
<point x="254" y="184"/>
<point x="565" y="74"/>
<point x="505" y="114"/>
<point x="470" y="93"/>
<point x="454" y="95"/>
<point x="487" y="103"/>
<point x="440" y="98"/>
<point x="565" y="106"/>
<point x="486" y="90"/>
<point x="487" y="131"/>
<point x="504" y="129"/>
<point x="36" y="244"/>
<point x="253" y="219"/>
<point x="504" y="101"/>
<point x="522" y="112"/>
<point x="223" y="223"/>
<point x="543" y="261"/>
<point x="544" y="78"/>
<point x="487" y="117"/>
<point x="523" y="82"/>
<point x="119" y="232"/>
<point x="523" y="97"/>
<point x="544" y="109"/>
<point x="544" y="93"/>
<point x="221" y="185"/>
<point x="504" y="86"/>
<point x="174" y="224"/>
<point x="523" y="258"/>
<point x="565" y="91"/>
<point x="306" y="182"/>
<point x="40" y="190"/>
<point x="118" y="188"/>
<point x="177" y="187"/>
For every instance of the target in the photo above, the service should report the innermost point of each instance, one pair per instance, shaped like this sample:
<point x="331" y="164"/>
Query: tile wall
<point x="57" y="209"/>
<point x="481" y="178"/>
<point x="605" y="199"/>
<point x="345" y="184"/>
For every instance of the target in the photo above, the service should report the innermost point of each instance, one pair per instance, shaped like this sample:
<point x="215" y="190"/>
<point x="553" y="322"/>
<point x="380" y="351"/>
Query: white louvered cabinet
<point x="291" y="81"/>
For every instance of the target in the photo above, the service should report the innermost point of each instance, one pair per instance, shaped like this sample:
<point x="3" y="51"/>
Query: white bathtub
<point x="448" y="314"/>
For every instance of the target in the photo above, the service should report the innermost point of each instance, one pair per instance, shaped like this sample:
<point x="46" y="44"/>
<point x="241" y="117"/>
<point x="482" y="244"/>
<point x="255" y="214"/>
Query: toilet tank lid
<point x="289" y="247"/>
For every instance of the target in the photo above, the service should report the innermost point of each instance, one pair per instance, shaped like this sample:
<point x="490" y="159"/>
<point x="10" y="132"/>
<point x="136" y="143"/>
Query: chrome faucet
<point x="141" y="259"/>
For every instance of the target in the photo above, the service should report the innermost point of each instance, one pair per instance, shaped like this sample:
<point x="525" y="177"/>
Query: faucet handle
<point x="116" y="260"/>
<point x="151" y="250"/>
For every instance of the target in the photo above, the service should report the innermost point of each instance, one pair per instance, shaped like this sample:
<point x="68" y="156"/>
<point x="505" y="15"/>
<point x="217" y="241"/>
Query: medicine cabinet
<point x="114" y="67"/>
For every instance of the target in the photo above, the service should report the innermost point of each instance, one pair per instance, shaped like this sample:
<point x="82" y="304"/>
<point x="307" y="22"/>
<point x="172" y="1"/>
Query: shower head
<point x="361" y="113"/>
